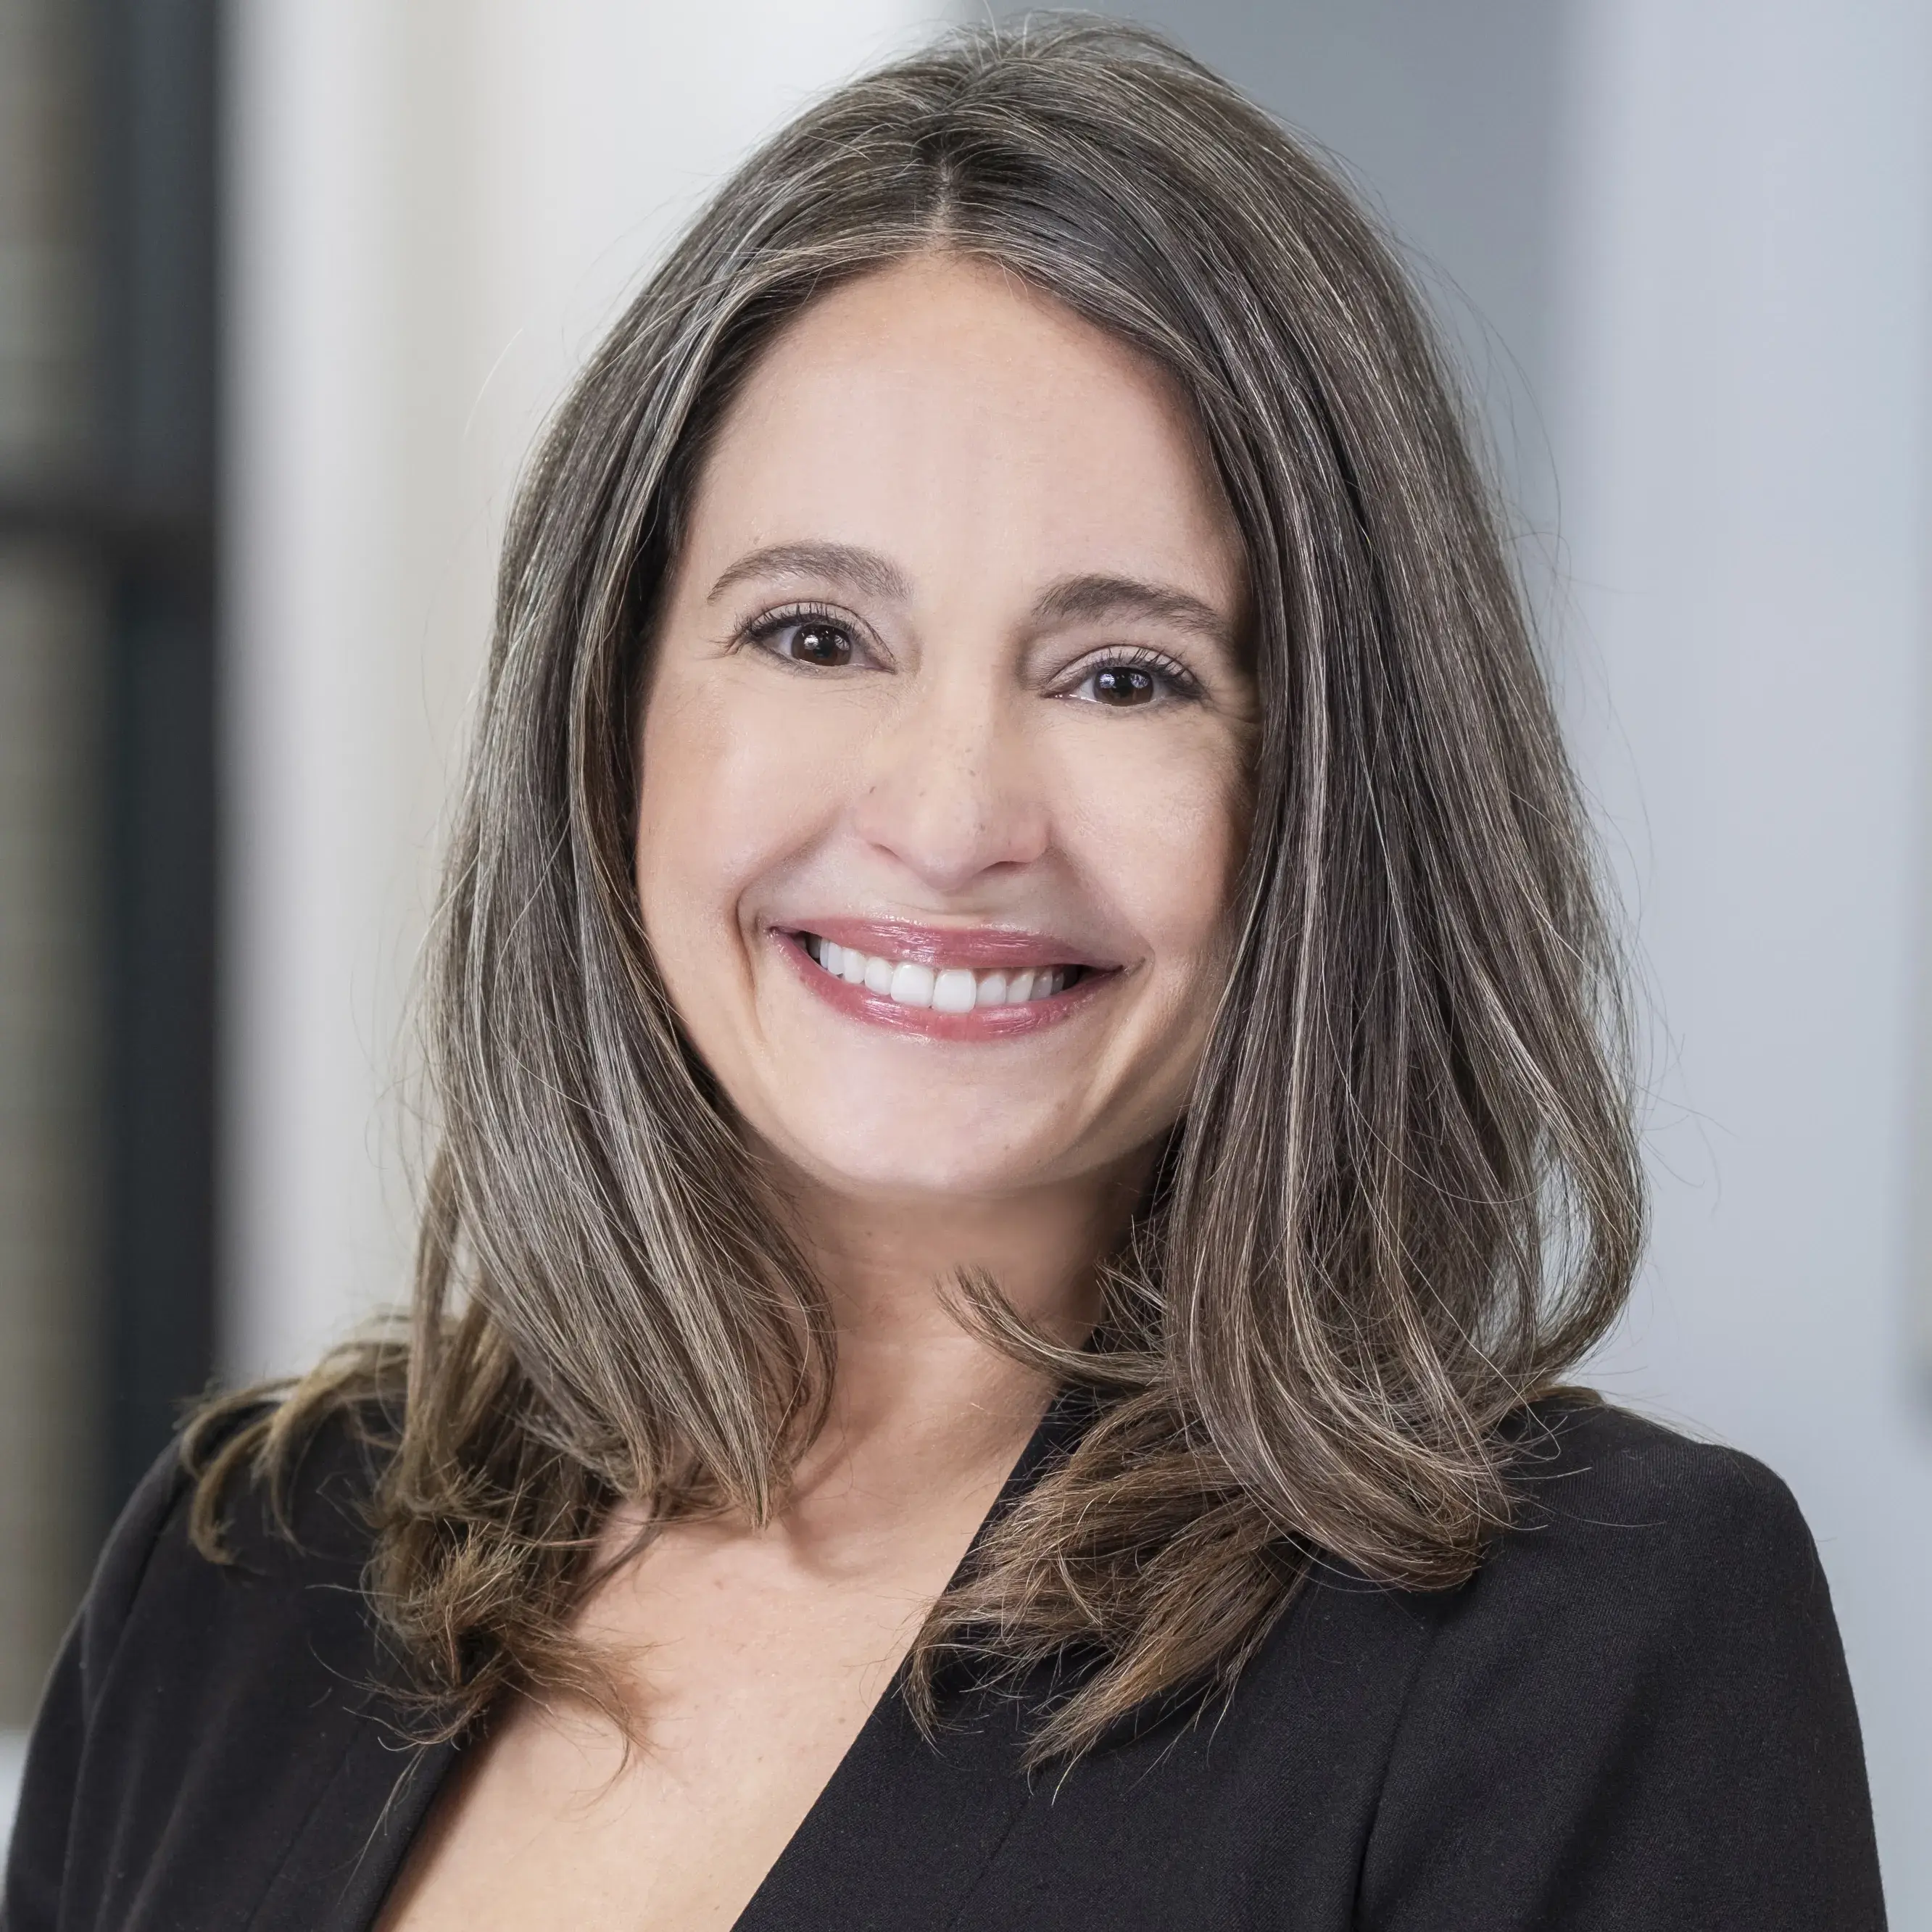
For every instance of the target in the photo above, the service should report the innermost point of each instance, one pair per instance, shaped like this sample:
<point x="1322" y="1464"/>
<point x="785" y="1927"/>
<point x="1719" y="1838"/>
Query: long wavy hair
<point x="1404" y="1199"/>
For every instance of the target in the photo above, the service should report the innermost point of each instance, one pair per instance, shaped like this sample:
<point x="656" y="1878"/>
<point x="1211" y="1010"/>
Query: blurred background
<point x="286" y="292"/>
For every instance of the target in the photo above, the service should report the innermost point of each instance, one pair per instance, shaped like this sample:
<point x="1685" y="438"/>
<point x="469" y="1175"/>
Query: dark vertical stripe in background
<point x="159" y="69"/>
<point x="108" y="312"/>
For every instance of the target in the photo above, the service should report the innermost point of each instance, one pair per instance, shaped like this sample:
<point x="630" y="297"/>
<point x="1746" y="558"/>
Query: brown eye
<point x="1131" y="679"/>
<point x="1123" y="685"/>
<point x="816" y="642"/>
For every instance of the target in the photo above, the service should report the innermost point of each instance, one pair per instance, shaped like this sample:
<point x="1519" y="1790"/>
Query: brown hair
<point x="1404" y="1198"/>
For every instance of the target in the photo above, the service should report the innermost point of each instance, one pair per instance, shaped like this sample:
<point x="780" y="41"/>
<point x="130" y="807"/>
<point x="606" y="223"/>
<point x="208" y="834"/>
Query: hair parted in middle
<point x="1404" y="1196"/>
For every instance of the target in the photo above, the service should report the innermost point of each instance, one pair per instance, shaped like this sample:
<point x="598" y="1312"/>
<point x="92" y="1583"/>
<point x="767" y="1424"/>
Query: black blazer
<point x="1635" y="1718"/>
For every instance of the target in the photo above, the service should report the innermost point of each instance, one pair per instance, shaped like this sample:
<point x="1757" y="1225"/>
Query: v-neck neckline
<point x="953" y="1798"/>
<point x="333" y="1881"/>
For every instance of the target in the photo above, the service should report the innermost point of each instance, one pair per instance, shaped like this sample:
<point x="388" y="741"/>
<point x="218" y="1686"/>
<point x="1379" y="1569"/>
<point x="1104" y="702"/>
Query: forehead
<point x="949" y="416"/>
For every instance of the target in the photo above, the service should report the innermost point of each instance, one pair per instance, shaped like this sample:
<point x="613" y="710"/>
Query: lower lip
<point x="982" y="1023"/>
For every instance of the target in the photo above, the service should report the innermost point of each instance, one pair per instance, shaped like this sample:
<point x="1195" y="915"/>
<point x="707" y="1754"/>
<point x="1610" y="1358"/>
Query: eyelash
<point x="1181" y="684"/>
<point x="762" y="629"/>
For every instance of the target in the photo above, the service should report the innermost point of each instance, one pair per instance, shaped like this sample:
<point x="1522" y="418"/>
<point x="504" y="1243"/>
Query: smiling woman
<point x="1031" y="1123"/>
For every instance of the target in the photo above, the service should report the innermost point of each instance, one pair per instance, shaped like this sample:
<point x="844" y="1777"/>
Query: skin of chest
<point x="749" y="1661"/>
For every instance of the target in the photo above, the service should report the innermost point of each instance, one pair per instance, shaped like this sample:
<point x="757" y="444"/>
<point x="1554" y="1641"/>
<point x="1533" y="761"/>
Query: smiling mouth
<point x="943" y="989"/>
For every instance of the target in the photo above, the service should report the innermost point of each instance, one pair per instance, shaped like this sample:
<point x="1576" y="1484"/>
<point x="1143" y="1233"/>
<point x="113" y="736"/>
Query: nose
<point x="950" y="791"/>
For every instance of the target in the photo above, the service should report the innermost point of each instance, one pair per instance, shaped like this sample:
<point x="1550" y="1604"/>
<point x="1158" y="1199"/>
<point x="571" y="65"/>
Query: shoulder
<point x="1642" y="1565"/>
<point x="1637" y="1712"/>
<point x="1573" y="1447"/>
<point x="1635" y="1556"/>
<point x="1621" y="1513"/>
<point x="293" y="1553"/>
<point x="198" y="1707"/>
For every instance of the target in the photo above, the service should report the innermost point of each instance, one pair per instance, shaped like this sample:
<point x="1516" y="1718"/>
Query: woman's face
<point x="945" y="743"/>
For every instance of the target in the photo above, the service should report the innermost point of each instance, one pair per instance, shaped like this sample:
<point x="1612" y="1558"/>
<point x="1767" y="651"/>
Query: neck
<point x="917" y="1392"/>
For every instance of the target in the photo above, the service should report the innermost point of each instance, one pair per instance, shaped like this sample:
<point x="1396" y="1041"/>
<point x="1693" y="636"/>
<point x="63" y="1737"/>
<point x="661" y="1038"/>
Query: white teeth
<point x="953" y="992"/>
<point x="911" y="985"/>
<point x="952" y="989"/>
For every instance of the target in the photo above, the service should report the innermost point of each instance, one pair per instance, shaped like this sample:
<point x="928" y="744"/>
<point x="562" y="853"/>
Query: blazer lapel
<point x="901" y="1834"/>
<point x="343" y="1861"/>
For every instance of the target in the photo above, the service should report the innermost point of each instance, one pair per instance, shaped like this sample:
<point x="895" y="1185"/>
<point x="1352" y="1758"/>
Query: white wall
<point x="1740" y="418"/>
<point x="435" y="208"/>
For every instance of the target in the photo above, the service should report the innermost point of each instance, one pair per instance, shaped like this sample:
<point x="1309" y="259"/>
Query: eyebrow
<point x="1091" y="598"/>
<point x="863" y="570"/>
<point x="1080" y="599"/>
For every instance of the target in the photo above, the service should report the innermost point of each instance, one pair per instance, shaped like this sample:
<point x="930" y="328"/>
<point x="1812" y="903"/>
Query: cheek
<point x="726" y="788"/>
<point x="1160" y="828"/>
<point x="703" y="834"/>
<point x="680" y="764"/>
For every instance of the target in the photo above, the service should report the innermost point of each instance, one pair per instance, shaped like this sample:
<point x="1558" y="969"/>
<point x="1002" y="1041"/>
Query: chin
<point x="922" y="1163"/>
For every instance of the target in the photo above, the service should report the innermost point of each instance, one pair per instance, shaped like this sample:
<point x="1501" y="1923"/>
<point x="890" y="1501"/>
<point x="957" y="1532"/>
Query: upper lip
<point x="980" y="948"/>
